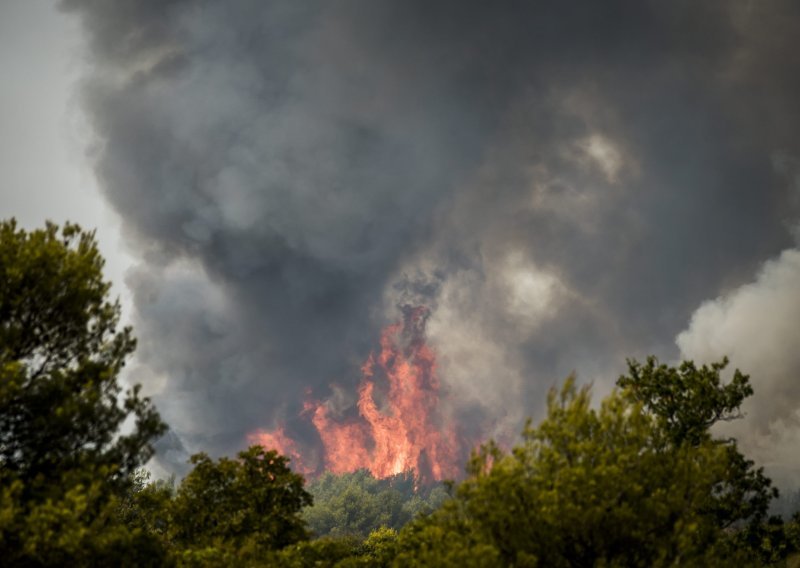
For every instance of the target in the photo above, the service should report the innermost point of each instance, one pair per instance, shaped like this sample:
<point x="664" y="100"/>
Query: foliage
<point x="63" y="460"/>
<point x="255" y="499"/>
<point x="607" y="486"/>
<point x="688" y="401"/>
<point x="60" y="354"/>
<point x="449" y="537"/>
<point x="77" y="527"/>
<point x="146" y="505"/>
<point x="224" y="512"/>
<point x="378" y="550"/>
<point x="322" y="552"/>
<point x="771" y="542"/>
<point x="357" y="503"/>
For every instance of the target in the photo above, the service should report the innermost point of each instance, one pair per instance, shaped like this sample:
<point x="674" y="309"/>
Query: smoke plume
<point x="560" y="184"/>
<point x="757" y="326"/>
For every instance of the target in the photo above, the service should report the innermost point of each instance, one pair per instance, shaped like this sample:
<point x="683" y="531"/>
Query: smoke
<point x="562" y="185"/>
<point x="756" y="325"/>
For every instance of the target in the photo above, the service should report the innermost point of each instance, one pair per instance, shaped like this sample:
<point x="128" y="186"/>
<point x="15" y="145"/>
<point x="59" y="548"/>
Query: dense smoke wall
<point x="563" y="184"/>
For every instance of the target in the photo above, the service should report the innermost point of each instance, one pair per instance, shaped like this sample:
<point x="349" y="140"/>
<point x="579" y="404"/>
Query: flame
<point x="278" y="440"/>
<point x="406" y="432"/>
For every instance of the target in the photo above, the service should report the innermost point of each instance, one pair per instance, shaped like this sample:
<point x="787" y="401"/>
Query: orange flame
<point x="283" y="444"/>
<point x="408" y="432"/>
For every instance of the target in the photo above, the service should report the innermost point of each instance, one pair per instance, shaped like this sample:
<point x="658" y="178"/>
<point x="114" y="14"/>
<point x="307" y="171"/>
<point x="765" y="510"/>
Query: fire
<point x="278" y="440"/>
<point x="399" y="425"/>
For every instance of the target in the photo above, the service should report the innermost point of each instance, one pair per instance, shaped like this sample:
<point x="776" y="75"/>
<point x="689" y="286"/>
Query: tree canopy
<point x="640" y="481"/>
<point x="357" y="503"/>
<point x="61" y="352"/>
<point x="255" y="498"/>
<point x="688" y="401"/>
<point x="63" y="455"/>
<point x="228" y="511"/>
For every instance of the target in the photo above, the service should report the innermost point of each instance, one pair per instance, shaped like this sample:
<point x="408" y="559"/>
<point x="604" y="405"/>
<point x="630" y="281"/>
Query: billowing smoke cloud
<point x="561" y="183"/>
<point x="757" y="324"/>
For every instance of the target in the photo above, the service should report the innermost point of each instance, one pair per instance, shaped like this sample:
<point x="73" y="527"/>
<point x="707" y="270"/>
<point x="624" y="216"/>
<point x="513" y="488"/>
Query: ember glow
<point x="398" y="424"/>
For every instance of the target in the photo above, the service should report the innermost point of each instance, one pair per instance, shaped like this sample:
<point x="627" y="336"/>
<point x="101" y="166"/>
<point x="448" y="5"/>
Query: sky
<point x="43" y="135"/>
<point x="564" y="185"/>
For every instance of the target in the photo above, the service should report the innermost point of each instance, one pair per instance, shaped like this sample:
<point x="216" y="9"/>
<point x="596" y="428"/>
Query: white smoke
<point x="756" y="326"/>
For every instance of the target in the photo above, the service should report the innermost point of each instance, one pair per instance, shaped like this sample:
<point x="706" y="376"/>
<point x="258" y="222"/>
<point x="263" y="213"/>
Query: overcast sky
<point x="564" y="185"/>
<point x="43" y="170"/>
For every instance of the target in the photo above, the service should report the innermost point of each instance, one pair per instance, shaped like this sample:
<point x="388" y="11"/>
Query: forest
<point x="637" y="479"/>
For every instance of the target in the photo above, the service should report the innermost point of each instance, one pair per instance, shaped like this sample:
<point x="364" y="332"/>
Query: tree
<point x="251" y="502"/>
<point x="326" y="552"/>
<point x="448" y="538"/>
<point x="688" y="401"/>
<point x="238" y="512"/>
<point x="146" y="505"/>
<point x="586" y="487"/>
<point x="63" y="457"/>
<point x="357" y="503"/>
<point x="61" y="404"/>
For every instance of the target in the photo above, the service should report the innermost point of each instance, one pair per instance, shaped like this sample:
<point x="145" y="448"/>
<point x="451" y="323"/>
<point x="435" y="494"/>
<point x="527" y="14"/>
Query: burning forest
<point x="399" y="423"/>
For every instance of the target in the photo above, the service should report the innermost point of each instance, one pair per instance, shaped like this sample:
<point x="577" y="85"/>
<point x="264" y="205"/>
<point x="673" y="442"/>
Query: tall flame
<point x="406" y="432"/>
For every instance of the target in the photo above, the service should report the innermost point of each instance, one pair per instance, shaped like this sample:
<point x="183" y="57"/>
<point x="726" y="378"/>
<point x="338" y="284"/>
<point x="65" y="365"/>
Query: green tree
<point x="325" y="552"/>
<point x="357" y="503"/>
<point x="61" y="405"/>
<point x="586" y="487"/>
<point x="64" y="460"/>
<point x="688" y="401"/>
<point x="378" y="550"/>
<point x="251" y="503"/>
<point x="146" y="505"/>
<point x="447" y="538"/>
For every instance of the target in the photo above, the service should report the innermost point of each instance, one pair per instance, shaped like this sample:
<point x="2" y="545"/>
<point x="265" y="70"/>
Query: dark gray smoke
<point x="563" y="183"/>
